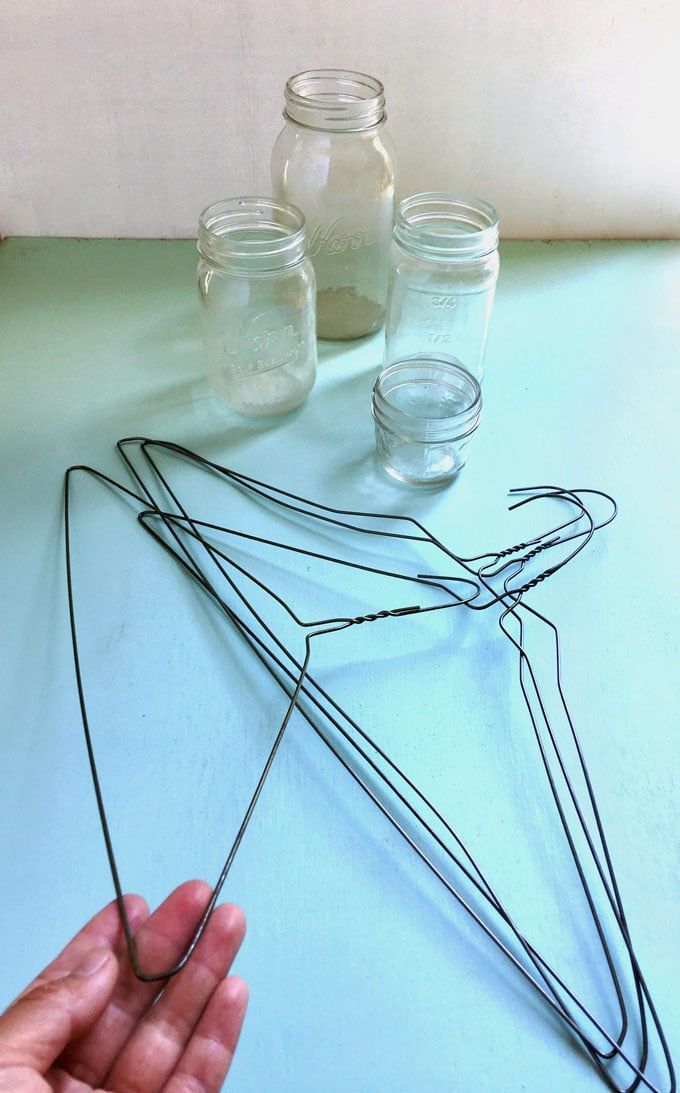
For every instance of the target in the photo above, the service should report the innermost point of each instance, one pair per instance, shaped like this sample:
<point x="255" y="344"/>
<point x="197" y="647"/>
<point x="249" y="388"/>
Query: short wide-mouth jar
<point x="426" y="410"/>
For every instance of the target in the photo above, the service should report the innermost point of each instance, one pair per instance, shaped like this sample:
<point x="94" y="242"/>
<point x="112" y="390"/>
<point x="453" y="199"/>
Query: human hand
<point x="87" y="1023"/>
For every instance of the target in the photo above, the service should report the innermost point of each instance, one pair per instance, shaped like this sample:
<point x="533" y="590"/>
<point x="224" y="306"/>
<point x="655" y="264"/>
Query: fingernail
<point x="92" y="962"/>
<point x="238" y="990"/>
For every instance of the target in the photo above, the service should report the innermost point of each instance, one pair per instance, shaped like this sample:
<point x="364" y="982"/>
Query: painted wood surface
<point x="363" y="977"/>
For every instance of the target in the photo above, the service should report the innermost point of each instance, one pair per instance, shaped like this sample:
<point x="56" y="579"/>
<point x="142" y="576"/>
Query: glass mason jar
<point x="256" y="286"/>
<point x="426" y="411"/>
<point x="443" y="278"/>
<point x="333" y="159"/>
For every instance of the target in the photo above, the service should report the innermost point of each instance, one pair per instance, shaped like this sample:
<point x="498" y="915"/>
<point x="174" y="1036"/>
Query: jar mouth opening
<point x="428" y="399"/>
<point x="335" y="100"/>
<point x="444" y="225"/>
<point x="255" y="230"/>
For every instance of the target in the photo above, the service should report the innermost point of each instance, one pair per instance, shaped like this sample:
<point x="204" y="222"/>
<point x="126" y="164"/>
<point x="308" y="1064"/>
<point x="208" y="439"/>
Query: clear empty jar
<point x="333" y="159"/>
<point x="256" y="286"/>
<point x="443" y="278"/>
<point x="426" y="411"/>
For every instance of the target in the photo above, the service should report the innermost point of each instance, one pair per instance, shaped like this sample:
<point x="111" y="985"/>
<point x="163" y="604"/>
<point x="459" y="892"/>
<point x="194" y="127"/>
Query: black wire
<point x="178" y="525"/>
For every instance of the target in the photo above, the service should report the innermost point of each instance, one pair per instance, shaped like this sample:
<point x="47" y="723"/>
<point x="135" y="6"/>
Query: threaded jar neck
<point x="252" y="233"/>
<point x="428" y="399"/>
<point x="444" y="227"/>
<point x="335" y="100"/>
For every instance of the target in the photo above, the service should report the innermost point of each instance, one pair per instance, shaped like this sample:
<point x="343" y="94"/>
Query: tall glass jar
<point x="334" y="160"/>
<point x="256" y="286"/>
<point x="443" y="278"/>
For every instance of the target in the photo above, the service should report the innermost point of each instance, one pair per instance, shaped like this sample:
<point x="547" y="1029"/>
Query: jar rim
<point x="446" y="226"/>
<point x="430" y="368"/>
<point x="335" y="100"/>
<point x="252" y="232"/>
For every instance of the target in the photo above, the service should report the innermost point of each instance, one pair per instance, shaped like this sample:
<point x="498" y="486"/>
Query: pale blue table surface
<point x="363" y="977"/>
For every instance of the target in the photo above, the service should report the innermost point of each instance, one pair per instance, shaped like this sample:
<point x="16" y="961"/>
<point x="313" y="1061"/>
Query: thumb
<point x="38" y="1026"/>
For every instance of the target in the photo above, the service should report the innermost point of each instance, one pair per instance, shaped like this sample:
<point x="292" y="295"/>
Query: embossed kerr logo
<point x="333" y="240"/>
<point x="265" y="343"/>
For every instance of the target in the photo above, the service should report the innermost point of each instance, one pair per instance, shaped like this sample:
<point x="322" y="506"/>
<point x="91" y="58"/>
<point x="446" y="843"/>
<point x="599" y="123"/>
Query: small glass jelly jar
<point x="334" y="160"/>
<point x="256" y="286"/>
<point x="426" y="411"/>
<point x="443" y="278"/>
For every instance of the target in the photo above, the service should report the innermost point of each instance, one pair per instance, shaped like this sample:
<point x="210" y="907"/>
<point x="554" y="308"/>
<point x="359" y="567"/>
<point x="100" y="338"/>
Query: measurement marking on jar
<point x="444" y="301"/>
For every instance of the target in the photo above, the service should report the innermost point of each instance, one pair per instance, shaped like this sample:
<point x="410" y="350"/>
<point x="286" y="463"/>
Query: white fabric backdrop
<point x="126" y="118"/>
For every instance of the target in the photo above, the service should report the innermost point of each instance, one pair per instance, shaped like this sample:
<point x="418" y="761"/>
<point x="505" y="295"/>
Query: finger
<point x="206" y="1061"/>
<point x="103" y="930"/>
<point x="59" y="1081"/>
<point x="160" y="942"/>
<point x="156" y="1046"/>
<point x="17" y="1079"/>
<point x="39" y="1025"/>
